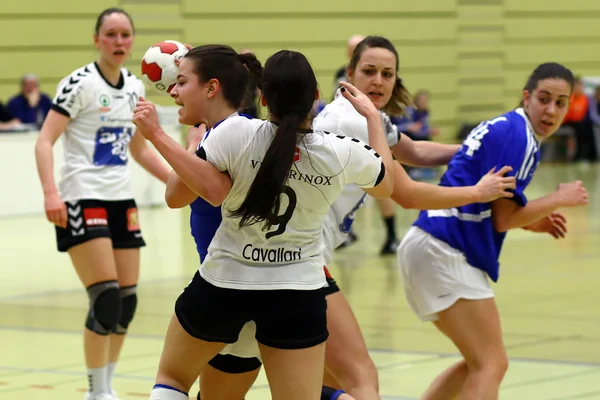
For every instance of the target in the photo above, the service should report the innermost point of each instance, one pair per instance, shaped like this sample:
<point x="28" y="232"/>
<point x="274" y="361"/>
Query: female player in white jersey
<point x="265" y="264"/>
<point x="446" y="255"/>
<point x="373" y="69"/>
<point x="95" y="215"/>
<point x="230" y="374"/>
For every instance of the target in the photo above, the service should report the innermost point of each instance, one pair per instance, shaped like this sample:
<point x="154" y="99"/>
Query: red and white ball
<point x="159" y="70"/>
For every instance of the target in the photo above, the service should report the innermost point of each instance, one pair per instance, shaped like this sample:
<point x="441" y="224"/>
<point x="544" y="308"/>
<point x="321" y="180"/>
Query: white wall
<point x="20" y="188"/>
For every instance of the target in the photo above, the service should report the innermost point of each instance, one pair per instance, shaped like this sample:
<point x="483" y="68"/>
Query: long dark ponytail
<point x="289" y="87"/>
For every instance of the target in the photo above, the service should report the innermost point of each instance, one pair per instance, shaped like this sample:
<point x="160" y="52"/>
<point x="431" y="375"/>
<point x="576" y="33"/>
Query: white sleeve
<point x="71" y="96"/>
<point x="365" y="167"/>
<point x="391" y="131"/>
<point x="354" y="126"/>
<point x="223" y="145"/>
<point x="142" y="90"/>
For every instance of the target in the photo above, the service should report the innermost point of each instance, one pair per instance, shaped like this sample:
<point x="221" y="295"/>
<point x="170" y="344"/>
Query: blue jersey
<point x="506" y="140"/>
<point x="205" y="218"/>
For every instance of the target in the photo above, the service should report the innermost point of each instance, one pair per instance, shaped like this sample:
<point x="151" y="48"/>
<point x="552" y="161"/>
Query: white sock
<point x="109" y="374"/>
<point x="164" y="392"/>
<point x="97" y="380"/>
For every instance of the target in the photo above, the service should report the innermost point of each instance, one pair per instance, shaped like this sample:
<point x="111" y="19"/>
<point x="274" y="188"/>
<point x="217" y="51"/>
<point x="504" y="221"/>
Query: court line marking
<point x="372" y="349"/>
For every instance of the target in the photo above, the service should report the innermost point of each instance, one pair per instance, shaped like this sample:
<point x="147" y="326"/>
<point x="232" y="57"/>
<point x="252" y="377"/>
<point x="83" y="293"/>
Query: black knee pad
<point x="128" y="305"/>
<point x="105" y="307"/>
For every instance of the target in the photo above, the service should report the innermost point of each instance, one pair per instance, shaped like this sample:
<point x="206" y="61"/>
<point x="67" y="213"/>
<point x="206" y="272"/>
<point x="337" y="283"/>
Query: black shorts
<point x="91" y="219"/>
<point x="285" y="319"/>
<point x="238" y="365"/>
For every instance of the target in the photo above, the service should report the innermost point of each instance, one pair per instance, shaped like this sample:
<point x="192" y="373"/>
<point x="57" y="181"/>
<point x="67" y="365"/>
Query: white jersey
<point x="96" y="141"/>
<point x="290" y="254"/>
<point x="342" y="118"/>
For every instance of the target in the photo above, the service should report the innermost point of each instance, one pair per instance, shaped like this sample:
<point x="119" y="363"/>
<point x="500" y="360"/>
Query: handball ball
<point x="159" y="70"/>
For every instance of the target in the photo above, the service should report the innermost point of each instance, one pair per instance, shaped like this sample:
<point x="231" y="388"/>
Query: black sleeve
<point x="201" y="153"/>
<point x="60" y="110"/>
<point x="381" y="175"/>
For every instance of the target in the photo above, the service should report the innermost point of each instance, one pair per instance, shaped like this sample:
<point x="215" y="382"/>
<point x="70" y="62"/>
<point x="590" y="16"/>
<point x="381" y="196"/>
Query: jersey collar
<point x="119" y="85"/>
<point x="530" y="130"/>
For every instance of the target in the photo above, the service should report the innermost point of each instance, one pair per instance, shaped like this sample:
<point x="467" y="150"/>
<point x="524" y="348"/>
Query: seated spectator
<point x="7" y="121"/>
<point x="578" y="118"/>
<point x="30" y="106"/>
<point x="415" y="124"/>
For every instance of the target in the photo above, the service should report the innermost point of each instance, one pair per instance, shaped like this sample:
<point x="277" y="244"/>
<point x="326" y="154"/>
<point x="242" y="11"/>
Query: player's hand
<point x="555" y="224"/>
<point x="194" y="137"/>
<point x="359" y="100"/>
<point x="495" y="185"/>
<point x="56" y="210"/>
<point x="145" y="118"/>
<point x="572" y="194"/>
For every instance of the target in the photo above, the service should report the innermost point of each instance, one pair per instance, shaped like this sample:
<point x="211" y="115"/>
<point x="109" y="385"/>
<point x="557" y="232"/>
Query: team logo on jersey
<point x="104" y="101"/>
<point x="133" y="222"/>
<point x="95" y="217"/>
<point x="297" y="154"/>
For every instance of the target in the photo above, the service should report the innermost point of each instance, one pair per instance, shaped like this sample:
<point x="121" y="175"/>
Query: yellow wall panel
<point x="478" y="116"/>
<point x="143" y="42"/>
<point x="564" y="53"/>
<point x="443" y="109"/>
<point x="478" y="15"/>
<point x="316" y="6"/>
<point x="551" y="5"/>
<point x="425" y="55"/>
<point x="561" y="28"/>
<point x="437" y="83"/>
<point x="56" y="6"/>
<point x="247" y="31"/>
<point x="53" y="32"/>
<point x="515" y="79"/>
<point x="152" y="9"/>
<point x="46" y="64"/>
<point x="411" y="57"/>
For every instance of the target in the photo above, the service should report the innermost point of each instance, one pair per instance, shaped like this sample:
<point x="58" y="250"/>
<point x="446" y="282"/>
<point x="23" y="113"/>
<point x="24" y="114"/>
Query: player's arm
<point x="202" y="177"/>
<point x="177" y="194"/>
<point x="507" y="214"/>
<point x="423" y="153"/>
<point x="147" y="158"/>
<point x="418" y="195"/>
<point x="377" y="140"/>
<point x="54" y="125"/>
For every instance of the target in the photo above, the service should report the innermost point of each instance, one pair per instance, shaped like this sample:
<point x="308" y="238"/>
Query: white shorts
<point x="246" y="346"/>
<point x="436" y="275"/>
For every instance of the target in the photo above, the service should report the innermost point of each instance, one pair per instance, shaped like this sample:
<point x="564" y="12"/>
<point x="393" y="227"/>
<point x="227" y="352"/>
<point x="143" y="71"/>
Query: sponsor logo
<point x="299" y="176"/>
<point x="133" y="221"/>
<point x="95" y="217"/>
<point x="104" y="101"/>
<point x="278" y="255"/>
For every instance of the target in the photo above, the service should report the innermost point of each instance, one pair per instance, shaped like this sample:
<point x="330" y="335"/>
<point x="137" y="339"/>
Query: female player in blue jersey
<point x="447" y="256"/>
